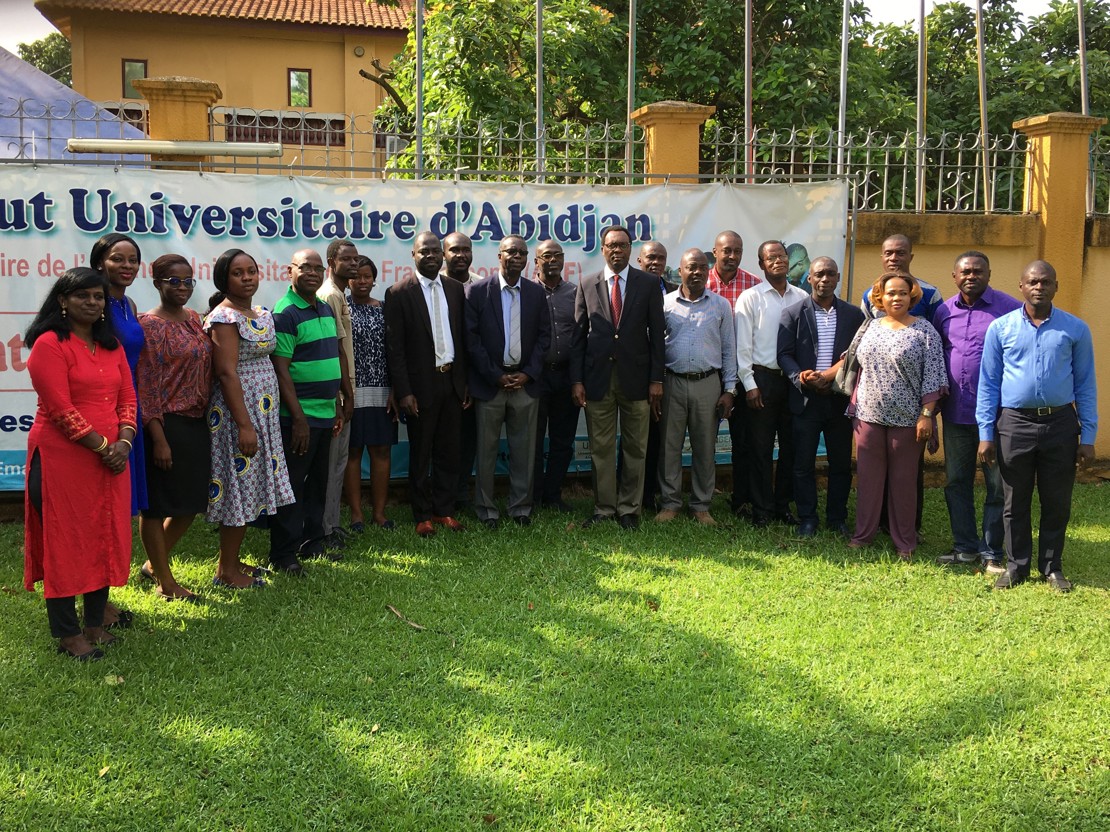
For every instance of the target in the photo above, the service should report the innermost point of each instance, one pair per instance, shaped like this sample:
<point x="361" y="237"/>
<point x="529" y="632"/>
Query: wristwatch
<point x="926" y="412"/>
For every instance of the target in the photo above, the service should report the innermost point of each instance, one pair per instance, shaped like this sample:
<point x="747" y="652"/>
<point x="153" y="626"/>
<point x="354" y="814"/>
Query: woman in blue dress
<point x="117" y="257"/>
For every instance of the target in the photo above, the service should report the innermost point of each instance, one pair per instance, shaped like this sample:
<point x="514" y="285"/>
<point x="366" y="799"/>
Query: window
<point x="300" y="88"/>
<point x="291" y="128"/>
<point x="133" y="70"/>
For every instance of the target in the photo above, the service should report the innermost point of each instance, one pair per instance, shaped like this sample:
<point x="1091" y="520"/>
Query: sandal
<point x="255" y="584"/>
<point x="124" y="621"/>
<point x="147" y="574"/>
<point x="190" y="598"/>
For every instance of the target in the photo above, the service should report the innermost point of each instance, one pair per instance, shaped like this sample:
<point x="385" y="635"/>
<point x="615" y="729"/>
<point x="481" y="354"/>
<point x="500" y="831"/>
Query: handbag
<point x="848" y="374"/>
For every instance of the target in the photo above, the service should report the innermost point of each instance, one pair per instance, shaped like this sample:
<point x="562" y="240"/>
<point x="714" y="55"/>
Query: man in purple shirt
<point x="962" y="322"/>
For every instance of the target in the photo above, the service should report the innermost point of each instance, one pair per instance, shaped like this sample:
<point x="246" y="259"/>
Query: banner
<point x="51" y="216"/>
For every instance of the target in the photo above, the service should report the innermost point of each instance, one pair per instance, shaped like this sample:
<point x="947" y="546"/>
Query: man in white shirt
<point x="767" y="388"/>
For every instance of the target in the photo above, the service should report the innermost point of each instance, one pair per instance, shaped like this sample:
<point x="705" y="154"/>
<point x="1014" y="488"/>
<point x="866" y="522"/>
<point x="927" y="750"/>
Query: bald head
<point x="693" y="268"/>
<point x="728" y="250"/>
<point x="1038" y="287"/>
<point x="653" y="258"/>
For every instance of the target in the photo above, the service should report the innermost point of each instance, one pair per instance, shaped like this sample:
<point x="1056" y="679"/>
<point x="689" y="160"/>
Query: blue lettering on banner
<point x="14" y="214"/>
<point x="96" y="212"/>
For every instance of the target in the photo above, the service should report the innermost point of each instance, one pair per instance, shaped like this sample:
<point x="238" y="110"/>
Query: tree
<point x="50" y="54"/>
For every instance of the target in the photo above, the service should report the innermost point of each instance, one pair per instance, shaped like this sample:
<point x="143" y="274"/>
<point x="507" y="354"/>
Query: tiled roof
<point x="319" y="12"/>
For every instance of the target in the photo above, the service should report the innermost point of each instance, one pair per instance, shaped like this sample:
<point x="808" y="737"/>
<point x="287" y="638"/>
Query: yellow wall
<point x="249" y="61"/>
<point x="1092" y="309"/>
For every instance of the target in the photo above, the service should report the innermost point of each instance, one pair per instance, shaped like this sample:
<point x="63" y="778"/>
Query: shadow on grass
<point x="547" y="692"/>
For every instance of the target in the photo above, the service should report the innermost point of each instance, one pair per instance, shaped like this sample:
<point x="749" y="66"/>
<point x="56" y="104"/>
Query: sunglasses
<point x="187" y="282"/>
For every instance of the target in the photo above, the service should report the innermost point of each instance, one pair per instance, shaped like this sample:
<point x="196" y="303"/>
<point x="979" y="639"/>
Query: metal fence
<point x="335" y="144"/>
<point x="883" y="166"/>
<point x="1099" y="185"/>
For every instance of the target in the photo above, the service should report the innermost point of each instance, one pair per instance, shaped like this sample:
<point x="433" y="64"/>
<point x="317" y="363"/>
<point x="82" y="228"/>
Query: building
<point x="272" y="59"/>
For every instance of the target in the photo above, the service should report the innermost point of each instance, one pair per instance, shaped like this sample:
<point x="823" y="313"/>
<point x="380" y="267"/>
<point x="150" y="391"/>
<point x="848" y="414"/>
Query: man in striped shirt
<point x="308" y="369"/>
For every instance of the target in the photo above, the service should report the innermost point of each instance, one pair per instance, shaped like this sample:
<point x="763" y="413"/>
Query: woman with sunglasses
<point x="175" y="382"/>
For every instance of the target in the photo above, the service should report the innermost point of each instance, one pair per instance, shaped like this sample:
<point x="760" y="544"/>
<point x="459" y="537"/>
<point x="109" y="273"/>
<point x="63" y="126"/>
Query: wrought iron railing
<point x="32" y="130"/>
<point x="1099" y="186"/>
<point x="361" y="145"/>
<point x="884" y="167"/>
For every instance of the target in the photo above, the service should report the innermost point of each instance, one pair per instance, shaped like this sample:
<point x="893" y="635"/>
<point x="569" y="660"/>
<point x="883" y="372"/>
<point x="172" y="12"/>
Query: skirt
<point x="181" y="491"/>
<point x="372" y="426"/>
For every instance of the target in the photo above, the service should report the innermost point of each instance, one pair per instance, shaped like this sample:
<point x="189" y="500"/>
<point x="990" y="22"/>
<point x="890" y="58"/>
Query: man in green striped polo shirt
<point x="309" y="368"/>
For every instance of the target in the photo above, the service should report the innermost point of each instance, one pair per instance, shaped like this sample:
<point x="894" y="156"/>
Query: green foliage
<point x="678" y="678"/>
<point x="480" y="62"/>
<point x="51" y="54"/>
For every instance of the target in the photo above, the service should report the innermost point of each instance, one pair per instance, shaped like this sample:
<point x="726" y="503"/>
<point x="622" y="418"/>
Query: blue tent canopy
<point x="38" y="115"/>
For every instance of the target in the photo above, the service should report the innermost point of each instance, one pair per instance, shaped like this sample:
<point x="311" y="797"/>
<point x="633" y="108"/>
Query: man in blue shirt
<point x="1037" y="417"/>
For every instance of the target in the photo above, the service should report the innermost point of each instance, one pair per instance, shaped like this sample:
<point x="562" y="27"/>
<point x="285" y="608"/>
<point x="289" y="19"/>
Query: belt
<point x="513" y="368"/>
<point x="693" y="376"/>
<point x="775" y="371"/>
<point x="446" y="368"/>
<point x="1040" y="411"/>
<point x="557" y="365"/>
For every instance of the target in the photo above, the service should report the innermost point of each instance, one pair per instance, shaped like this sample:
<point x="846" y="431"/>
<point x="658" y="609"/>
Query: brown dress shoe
<point x="666" y="516"/>
<point x="450" y="523"/>
<point x="425" y="528"/>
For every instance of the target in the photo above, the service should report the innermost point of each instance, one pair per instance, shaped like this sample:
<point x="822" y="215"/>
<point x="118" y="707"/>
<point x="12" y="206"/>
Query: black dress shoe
<point x="491" y="523"/>
<point x="1008" y="580"/>
<point x="786" y="517"/>
<point x="1057" y="581"/>
<point x="629" y="521"/>
<point x="807" y="528"/>
<point x="596" y="519"/>
<point x="840" y="528"/>
<point x="522" y="520"/>
<point x="293" y="568"/>
<point x="743" y="511"/>
<point x="760" y="521"/>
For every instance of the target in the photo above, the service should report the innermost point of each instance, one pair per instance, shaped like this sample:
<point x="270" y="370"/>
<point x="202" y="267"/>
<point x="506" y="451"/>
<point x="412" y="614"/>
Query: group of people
<point x="262" y="418"/>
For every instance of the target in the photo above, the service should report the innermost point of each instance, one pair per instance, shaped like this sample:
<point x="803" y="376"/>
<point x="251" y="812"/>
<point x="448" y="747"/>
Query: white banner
<point x="50" y="217"/>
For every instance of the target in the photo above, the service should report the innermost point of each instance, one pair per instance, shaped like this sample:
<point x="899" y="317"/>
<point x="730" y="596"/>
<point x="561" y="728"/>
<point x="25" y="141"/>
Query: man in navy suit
<point x="812" y="337"/>
<point x="616" y="369"/>
<point x="508" y="331"/>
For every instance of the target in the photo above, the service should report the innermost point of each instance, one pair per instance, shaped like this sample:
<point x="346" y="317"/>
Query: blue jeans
<point x="961" y="447"/>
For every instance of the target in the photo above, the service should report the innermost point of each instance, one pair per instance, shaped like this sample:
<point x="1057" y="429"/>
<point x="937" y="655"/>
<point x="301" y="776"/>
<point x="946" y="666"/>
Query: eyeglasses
<point x="772" y="258"/>
<point x="187" y="282"/>
<point x="305" y="267"/>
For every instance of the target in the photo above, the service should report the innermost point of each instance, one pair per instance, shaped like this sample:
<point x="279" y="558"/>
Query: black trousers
<point x="558" y="418"/>
<point x="434" y="443"/>
<point x="771" y="490"/>
<point x="62" y="613"/>
<point x="738" y="431"/>
<point x="1036" y="452"/>
<point x="468" y="450"/>
<point x="823" y="415"/>
<point x="299" y="526"/>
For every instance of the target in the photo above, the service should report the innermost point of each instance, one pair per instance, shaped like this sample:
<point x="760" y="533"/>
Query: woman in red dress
<point x="77" y="538"/>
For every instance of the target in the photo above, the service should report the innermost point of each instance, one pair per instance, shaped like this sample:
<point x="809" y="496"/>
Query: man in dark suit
<point x="617" y="368"/>
<point x="426" y="346"/>
<point x="508" y="331"/>
<point x="812" y="337"/>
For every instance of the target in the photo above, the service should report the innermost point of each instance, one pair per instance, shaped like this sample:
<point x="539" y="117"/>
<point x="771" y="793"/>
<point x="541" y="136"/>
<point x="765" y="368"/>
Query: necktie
<point x="615" y="302"/>
<point x="513" y="345"/>
<point x="437" y="325"/>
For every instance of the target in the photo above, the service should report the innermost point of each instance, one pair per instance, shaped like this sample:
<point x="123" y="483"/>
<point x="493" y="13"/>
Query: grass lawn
<point x="674" y="678"/>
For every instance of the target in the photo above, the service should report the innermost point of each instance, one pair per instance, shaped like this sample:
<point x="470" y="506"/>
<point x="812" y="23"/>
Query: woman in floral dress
<point x="249" y="475"/>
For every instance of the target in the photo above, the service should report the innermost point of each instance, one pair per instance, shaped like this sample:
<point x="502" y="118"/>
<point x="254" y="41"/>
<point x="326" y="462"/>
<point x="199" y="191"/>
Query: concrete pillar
<point x="1056" y="170"/>
<point x="673" y="136"/>
<point x="178" y="111"/>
